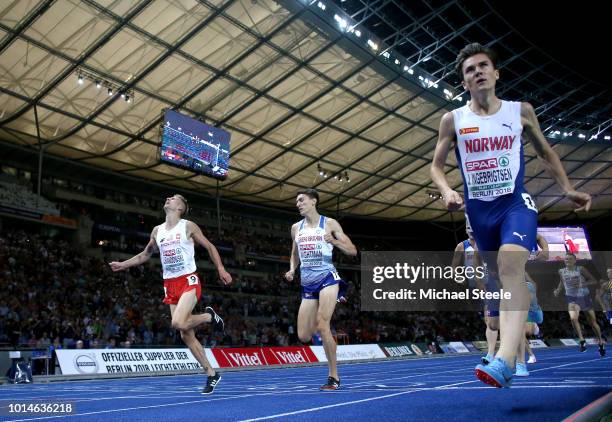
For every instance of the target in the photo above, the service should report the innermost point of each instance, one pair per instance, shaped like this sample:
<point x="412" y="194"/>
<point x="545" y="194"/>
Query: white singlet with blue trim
<point x="315" y="252"/>
<point x="175" y="250"/>
<point x="490" y="151"/>
<point x="573" y="280"/>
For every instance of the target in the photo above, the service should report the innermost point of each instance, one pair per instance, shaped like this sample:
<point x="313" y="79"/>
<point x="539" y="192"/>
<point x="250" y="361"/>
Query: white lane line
<point x="315" y="409"/>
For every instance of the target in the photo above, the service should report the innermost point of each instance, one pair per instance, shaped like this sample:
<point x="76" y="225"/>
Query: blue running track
<point x="425" y="389"/>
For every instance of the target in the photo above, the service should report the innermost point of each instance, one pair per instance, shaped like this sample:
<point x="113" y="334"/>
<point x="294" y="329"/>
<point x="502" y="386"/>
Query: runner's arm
<point x="339" y="239"/>
<point x="550" y="159"/>
<point x="139" y="259"/>
<point x="294" y="261"/>
<point x="446" y="136"/>
<point x="196" y="233"/>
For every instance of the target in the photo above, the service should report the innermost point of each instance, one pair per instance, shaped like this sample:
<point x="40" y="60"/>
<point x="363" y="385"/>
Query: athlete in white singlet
<point x="174" y="239"/>
<point x="466" y="255"/>
<point x="313" y="240"/>
<point x="573" y="279"/>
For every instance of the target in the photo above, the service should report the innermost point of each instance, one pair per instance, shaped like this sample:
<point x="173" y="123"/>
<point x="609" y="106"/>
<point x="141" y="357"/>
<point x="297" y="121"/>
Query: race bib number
<point x="192" y="280"/>
<point x="490" y="183"/>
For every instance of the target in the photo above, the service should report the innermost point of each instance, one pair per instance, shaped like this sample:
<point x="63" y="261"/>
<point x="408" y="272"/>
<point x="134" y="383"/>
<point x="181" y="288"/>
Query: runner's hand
<point x="330" y="238"/>
<point x="580" y="199"/>
<point x="116" y="266"/>
<point x="289" y="275"/>
<point x="453" y="200"/>
<point x="225" y="277"/>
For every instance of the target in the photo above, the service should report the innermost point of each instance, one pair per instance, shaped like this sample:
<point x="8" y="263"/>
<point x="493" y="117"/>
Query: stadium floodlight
<point x="341" y="22"/>
<point x="373" y="45"/>
<point x="80" y="79"/>
<point x="110" y="92"/>
<point x="321" y="5"/>
<point x="358" y="33"/>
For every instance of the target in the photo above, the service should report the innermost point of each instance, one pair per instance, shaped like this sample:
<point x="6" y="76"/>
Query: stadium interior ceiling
<point x="345" y="97"/>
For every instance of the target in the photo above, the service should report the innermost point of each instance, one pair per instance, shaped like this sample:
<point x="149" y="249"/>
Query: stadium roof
<point x="301" y="93"/>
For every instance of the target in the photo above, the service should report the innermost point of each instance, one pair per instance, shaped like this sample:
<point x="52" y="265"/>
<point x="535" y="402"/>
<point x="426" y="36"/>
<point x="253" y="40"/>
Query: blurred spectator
<point x="77" y="297"/>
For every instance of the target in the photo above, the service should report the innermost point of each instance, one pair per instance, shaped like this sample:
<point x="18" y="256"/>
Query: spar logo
<point x="466" y="130"/>
<point x="489" y="163"/>
<point x="504" y="161"/>
<point x="86" y="363"/>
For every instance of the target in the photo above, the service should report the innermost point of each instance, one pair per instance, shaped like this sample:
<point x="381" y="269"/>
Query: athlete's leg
<point x="530" y="330"/>
<point x="520" y="356"/>
<point x="529" y="350"/>
<point x="574" y="313"/>
<point x="491" y="334"/>
<point x="513" y="313"/>
<point x="593" y="323"/>
<point x="307" y="319"/>
<point x="182" y="318"/>
<point x="521" y="368"/>
<point x="180" y="313"/>
<point x="327" y="303"/>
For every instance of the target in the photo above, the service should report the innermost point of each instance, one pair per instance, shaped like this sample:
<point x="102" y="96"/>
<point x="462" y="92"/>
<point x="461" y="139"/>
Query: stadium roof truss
<point x="300" y="95"/>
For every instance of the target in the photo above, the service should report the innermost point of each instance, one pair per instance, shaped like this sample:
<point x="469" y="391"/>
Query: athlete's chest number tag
<point x="192" y="280"/>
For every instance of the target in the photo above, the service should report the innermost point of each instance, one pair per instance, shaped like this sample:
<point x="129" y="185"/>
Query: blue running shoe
<point x="497" y="373"/>
<point x="521" y="370"/>
<point x="487" y="359"/>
